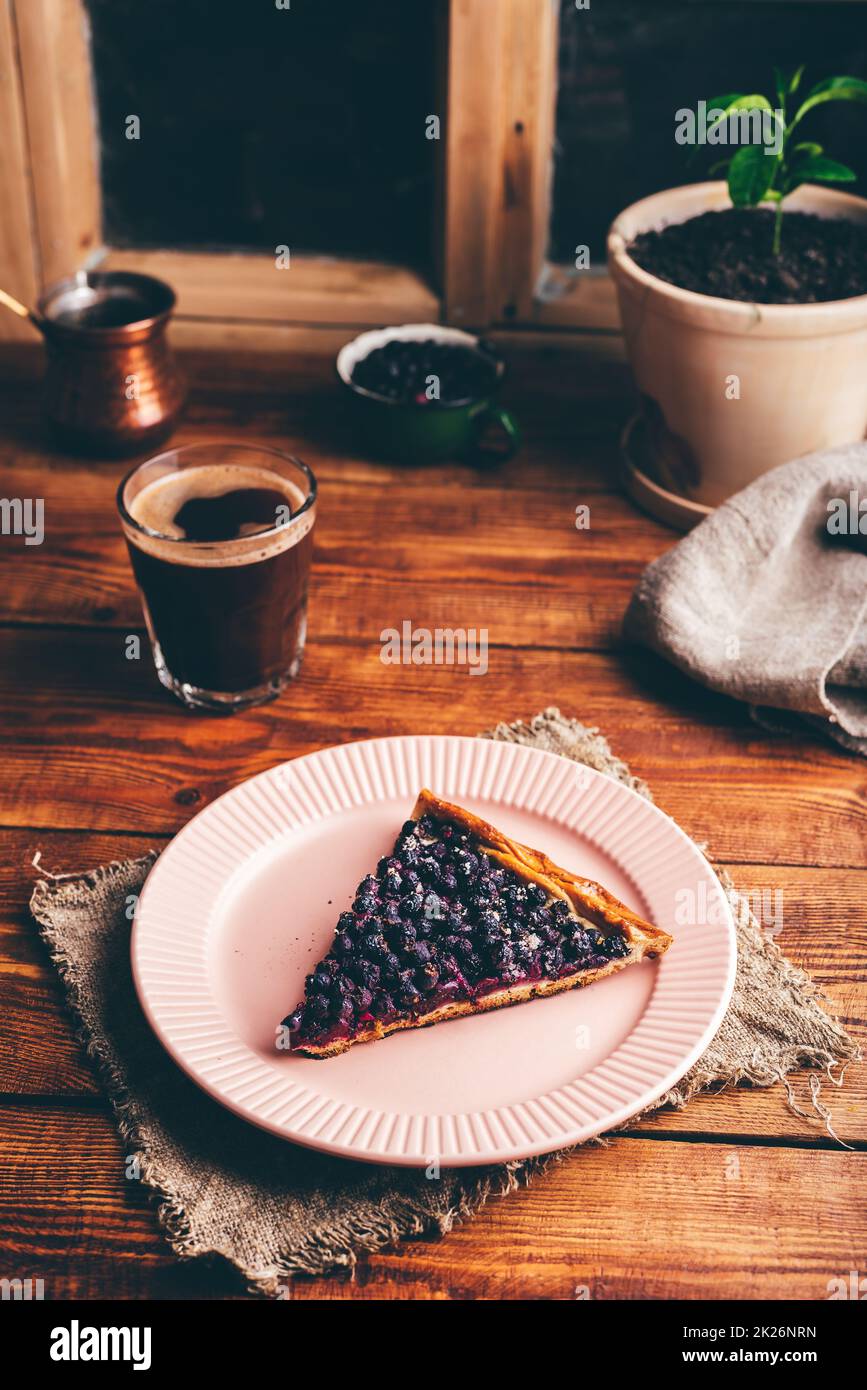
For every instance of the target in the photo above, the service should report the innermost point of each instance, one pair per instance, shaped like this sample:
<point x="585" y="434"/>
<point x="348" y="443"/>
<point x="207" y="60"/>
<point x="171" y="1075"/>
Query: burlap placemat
<point x="273" y="1209"/>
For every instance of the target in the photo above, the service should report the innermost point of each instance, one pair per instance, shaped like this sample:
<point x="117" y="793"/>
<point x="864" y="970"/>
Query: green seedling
<point x="758" y="173"/>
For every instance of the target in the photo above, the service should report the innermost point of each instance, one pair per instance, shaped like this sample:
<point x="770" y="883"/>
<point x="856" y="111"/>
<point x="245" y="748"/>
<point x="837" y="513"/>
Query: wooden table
<point x="99" y="763"/>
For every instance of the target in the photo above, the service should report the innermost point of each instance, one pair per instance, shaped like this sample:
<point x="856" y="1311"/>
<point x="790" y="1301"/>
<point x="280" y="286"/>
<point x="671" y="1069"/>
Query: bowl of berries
<point x="422" y="392"/>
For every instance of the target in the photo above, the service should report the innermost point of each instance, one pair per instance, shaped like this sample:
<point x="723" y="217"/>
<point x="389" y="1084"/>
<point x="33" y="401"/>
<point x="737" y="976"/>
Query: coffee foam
<point x="159" y="502"/>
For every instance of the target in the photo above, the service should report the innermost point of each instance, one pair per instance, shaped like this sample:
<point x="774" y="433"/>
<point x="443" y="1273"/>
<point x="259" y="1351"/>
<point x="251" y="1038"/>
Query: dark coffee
<point x="241" y="512"/>
<point x="223" y="574"/>
<point x="111" y="311"/>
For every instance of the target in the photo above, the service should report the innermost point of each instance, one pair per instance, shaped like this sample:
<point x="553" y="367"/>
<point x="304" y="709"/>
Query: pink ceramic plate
<point x="244" y="901"/>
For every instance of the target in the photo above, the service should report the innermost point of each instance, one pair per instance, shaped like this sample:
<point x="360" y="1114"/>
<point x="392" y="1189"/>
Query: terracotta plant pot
<point x="731" y="389"/>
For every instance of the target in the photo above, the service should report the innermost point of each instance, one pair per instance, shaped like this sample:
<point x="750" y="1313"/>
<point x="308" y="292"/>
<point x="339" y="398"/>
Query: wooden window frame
<point x="497" y="75"/>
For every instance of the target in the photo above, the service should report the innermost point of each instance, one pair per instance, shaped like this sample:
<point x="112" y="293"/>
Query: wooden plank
<point x="18" y="271"/>
<point x="258" y="340"/>
<point x="530" y="79"/>
<point x="502" y="90"/>
<point x="512" y="525"/>
<point x="759" y="1222"/>
<point x="781" y="1228"/>
<point x="474" y="172"/>
<point x="568" y="298"/>
<point x="253" y="355"/>
<point x="570" y="446"/>
<point x="90" y="740"/>
<point x="514" y="555"/>
<point x="46" y="1060"/>
<point x="313" y="289"/>
<point x="247" y="353"/>
<point x="61" y="125"/>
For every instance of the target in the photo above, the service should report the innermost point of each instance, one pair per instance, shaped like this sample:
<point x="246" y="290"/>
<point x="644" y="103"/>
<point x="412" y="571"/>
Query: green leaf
<point x="840" y="85"/>
<point x="722" y="103"/>
<point x="751" y="174"/>
<point x="824" y="169"/>
<point x="734" y="103"/>
<point x="712" y="104"/>
<point x="817" y="169"/>
<point x="832" y="89"/>
<point x="807" y="147"/>
<point x="787" y="86"/>
<point x="795" y="80"/>
<point x="756" y="102"/>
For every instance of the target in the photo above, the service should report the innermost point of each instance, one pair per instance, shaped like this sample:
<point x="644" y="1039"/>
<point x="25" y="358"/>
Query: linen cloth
<point x="766" y="600"/>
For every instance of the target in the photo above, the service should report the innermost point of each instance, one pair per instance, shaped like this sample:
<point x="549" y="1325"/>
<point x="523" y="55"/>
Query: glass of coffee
<point x="220" y="537"/>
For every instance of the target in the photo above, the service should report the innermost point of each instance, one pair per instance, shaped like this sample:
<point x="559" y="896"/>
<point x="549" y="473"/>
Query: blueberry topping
<point x="466" y="865"/>
<point x="522" y="950"/>
<point x="409" y="994"/>
<point x="552" y="960"/>
<point x="427" y="977"/>
<point x="392" y="884"/>
<point x="433" y="907"/>
<point x="365" y="973"/>
<point x="391" y="966"/>
<point x="373" y="945"/>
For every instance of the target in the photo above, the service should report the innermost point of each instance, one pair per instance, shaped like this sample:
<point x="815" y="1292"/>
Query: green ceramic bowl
<point x="434" y="430"/>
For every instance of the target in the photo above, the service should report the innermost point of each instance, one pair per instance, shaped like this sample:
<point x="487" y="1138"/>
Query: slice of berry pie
<point x="458" y="919"/>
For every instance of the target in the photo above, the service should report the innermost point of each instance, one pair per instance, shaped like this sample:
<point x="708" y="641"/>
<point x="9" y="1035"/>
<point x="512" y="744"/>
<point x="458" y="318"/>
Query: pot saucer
<point x="638" y="475"/>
